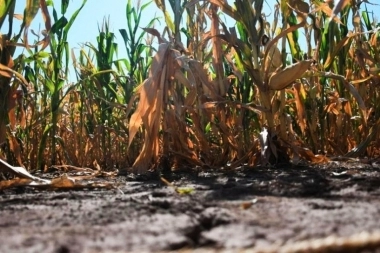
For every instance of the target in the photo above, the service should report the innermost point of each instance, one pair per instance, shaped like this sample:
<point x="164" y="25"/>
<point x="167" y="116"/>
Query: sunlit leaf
<point x="280" y="80"/>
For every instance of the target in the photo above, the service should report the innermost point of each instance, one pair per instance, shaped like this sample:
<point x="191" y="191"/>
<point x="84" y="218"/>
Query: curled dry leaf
<point x="325" y="8"/>
<point x="339" y="7"/>
<point x="8" y="72"/>
<point x="300" y="5"/>
<point x="63" y="181"/>
<point x="280" y="80"/>
<point x="156" y="33"/>
<point x="18" y="171"/>
<point x="274" y="59"/>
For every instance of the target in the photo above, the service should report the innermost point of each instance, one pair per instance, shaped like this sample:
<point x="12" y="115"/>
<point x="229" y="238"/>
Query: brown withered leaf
<point x="300" y="5"/>
<point x="301" y="114"/>
<point x="227" y="9"/>
<point x="8" y="72"/>
<point x="18" y="171"/>
<point x="156" y="33"/>
<point x="283" y="33"/>
<point x="63" y="181"/>
<point x="47" y="20"/>
<point x="31" y="9"/>
<point x="339" y="7"/>
<point x="280" y="80"/>
<point x="308" y="155"/>
<point x="274" y="59"/>
<point x="146" y="98"/>
<point x="150" y="106"/>
<point x="14" y="146"/>
<point x="217" y="51"/>
<point x="362" y="147"/>
<point x="17" y="182"/>
<point x="325" y="8"/>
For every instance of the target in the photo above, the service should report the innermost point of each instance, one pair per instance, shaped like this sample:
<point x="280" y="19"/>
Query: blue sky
<point x="85" y="29"/>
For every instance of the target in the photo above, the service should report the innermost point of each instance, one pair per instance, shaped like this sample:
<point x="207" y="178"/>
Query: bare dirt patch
<point x="258" y="209"/>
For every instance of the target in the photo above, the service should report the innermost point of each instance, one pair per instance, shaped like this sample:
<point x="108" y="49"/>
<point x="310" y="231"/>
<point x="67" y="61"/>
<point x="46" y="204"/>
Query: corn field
<point x="299" y="85"/>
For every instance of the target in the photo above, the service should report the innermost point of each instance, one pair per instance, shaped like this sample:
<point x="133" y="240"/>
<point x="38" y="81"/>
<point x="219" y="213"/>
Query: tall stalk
<point x="56" y="75"/>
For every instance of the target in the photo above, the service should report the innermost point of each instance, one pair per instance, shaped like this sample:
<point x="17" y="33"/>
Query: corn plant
<point x="55" y="74"/>
<point x="257" y="91"/>
<point x="285" y="95"/>
<point x="138" y="53"/>
<point x="12" y="113"/>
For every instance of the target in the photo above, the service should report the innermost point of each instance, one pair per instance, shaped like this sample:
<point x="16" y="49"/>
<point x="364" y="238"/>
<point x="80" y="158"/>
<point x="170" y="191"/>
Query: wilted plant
<point x="262" y="91"/>
<point x="12" y="83"/>
<point x="55" y="75"/>
<point x="284" y="96"/>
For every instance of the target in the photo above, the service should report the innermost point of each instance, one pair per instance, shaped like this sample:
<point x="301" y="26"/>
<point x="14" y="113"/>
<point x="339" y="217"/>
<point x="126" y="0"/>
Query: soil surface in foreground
<point x="331" y="208"/>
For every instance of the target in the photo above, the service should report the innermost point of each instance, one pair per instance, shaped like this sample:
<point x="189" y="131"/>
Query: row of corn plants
<point x="301" y="84"/>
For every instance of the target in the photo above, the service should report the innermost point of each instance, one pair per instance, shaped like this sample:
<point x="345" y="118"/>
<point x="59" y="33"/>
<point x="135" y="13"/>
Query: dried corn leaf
<point x="358" y="98"/>
<point x="301" y="112"/>
<point x="362" y="147"/>
<point x="274" y="59"/>
<point x="156" y="33"/>
<point x="18" y="171"/>
<point x="339" y="7"/>
<point x="308" y="155"/>
<point x="280" y="80"/>
<point x="300" y="5"/>
<point x="14" y="146"/>
<point x="282" y="34"/>
<point x="227" y="9"/>
<point x="217" y="52"/>
<point x="63" y="181"/>
<point x="31" y="9"/>
<point x="147" y="92"/>
<point x="17" y="182"/>
<point x="325" y="8"/>
<point x="8" y="72"/>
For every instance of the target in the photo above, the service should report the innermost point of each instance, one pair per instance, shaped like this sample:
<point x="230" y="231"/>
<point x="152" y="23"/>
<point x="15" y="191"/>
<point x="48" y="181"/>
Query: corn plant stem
<point x="4" y="91"/>
<point x="266" y="97"/>
<point x="55" y="101"/>
<point x="81" y="126"/>
<point x="177" y="20"/>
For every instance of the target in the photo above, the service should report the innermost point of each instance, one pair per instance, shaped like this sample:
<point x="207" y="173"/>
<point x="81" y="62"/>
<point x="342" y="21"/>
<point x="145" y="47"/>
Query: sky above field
<point x="86" y="27"/>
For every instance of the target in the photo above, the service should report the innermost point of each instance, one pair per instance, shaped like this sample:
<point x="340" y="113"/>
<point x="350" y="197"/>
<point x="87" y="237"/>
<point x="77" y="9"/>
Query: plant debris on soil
<point x="292" y="208"/>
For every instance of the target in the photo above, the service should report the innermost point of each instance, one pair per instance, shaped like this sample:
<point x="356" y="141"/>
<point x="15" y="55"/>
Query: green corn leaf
<point x="50" y="85"/>
<point x="72" y="19"/>
<point x="186" y="33"/>
<point x="60" y="84"/>
<point x="125" y="36"/>
<point x="29" y="74"/>
<point x="64" y="6"/>
<point x="144" y="6"/>
<point x="129" y="11"/>
<point x="169" y="21"/>
<point x="59" y="25"/>
<point x="6" y="7"/>
<point x="55" y="15"/>
<point x="366" y="20"/>
<point x="42" y="145"/>
<point x="208" y="128"/>
<point x="41" y="55"/>
<point x="67" y="56"/>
